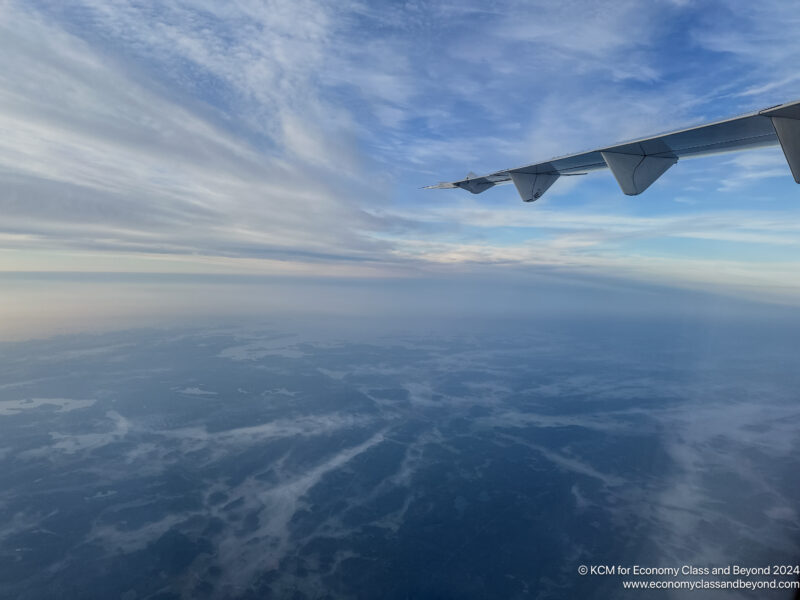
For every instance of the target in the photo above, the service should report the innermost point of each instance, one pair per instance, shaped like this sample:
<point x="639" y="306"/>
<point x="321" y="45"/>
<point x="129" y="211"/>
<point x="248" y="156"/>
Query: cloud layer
<point x="266" y="137"/>
<point x="330" y="465"/>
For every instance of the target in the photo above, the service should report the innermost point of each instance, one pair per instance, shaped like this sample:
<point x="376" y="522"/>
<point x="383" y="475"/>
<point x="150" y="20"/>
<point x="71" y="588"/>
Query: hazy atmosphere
<point x="244" y="355"/>
<point x="291" y="140"/>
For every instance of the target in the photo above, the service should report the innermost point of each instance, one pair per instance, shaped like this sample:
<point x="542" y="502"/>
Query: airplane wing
<point x="638" y="163"/>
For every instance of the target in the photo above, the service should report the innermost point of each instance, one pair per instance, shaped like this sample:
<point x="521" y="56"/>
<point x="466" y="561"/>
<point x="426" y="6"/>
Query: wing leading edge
<point x="638" y="163"/>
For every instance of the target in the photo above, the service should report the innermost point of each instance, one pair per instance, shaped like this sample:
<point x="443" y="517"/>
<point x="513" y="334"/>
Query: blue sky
<point x="290" y="139"/>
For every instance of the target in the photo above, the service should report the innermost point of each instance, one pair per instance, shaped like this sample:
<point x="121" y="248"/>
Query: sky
<point x="186" y="157"/>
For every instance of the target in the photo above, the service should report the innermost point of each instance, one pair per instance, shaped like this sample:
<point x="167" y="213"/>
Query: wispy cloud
<point x="104" y="161"/>
<point x="291" y="137"/>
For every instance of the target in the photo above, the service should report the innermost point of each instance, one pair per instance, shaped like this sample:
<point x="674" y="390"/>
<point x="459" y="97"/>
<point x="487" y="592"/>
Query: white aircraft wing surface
<point x="638" y="163"/>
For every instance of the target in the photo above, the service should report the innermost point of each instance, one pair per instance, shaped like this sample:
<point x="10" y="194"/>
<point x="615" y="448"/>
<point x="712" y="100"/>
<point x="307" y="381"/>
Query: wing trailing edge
<point x="637" y="164"/>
